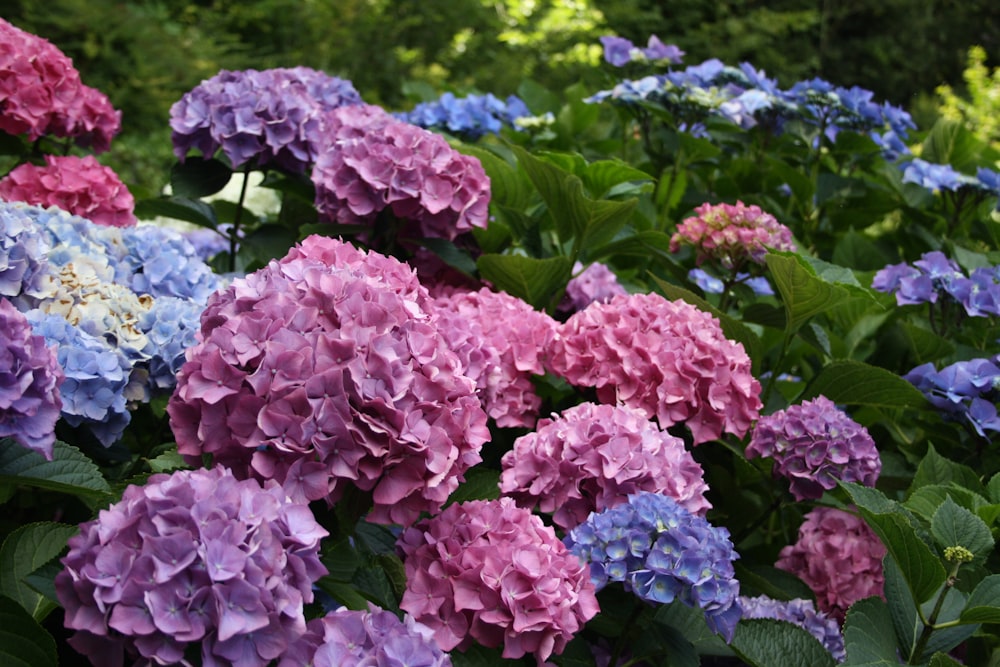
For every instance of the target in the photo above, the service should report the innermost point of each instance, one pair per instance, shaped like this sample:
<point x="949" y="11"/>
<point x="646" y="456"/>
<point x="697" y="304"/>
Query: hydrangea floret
<point x="802" y="613"/>
<point x="593" y="457"/>
<point x="839" y="557"/>
<point x="814" y="445"/>
<point x="963" y="391"/>
<point x="372" y="638"/>
<point x="24" y="251"/>
<point x="661" y="552"/>
<point x="42" y="94"/>
<point x="596" y="282"/>
<point x="469" y="117"/>
<point x="666" y="358"/>
<point x="266" y="118"/>
<point x="30" y="377"/>
<point x="710" y="284"/>
<point x="195" y="558"/>
<point x="326" y="370"/>
<point x="370" y="162"/>
<point x="734" y="235"/>
<point x="80" y="185"/>
<point x="500" y="340"/>
<point x="490" y="572"/>
<point x="619" y="51"/>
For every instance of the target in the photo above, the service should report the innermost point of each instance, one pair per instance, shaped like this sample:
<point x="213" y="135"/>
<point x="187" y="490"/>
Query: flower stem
<point x="237" y="218"/>
<point x="930" y="623"/>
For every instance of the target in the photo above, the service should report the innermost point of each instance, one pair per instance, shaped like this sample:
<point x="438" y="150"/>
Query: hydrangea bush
<point x="543" y="400"/>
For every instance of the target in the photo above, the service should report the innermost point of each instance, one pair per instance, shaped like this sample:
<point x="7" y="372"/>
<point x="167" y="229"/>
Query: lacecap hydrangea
<point x="197" y="559"/>
<point x="802" y="613"/>
<point x="939" y="280"/>
<point x="964" y="391"/>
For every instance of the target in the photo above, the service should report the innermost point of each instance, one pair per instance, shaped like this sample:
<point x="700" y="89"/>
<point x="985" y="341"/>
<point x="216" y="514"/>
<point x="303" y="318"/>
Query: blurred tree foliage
<point x="980" y="108"/>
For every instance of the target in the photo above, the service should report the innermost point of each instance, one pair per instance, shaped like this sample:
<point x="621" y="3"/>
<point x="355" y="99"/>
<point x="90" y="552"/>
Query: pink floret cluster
<point x="500" y="340"/>
<point x="41" y="94"/>
<point x="814" y="445"/>
<point x="490" y="572"/>
<point x="370" y="161"/>
<point x="80" y="185"/>
<point x="327" y="376"/>
<point x="192" y="559"/>
<point x="591" y="457"/>
<point x="839" y="557"/>
<point x="666" y="358"/>
<point x="731" y="234"/>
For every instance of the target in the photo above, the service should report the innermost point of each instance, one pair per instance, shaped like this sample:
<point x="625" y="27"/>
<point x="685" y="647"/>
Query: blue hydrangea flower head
<point x="966" y="390"/>
<point x="469" y="117"/>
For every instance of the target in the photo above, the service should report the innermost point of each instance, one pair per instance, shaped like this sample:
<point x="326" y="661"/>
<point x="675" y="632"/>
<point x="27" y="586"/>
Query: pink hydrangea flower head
<point x="346" y="638"/>
<point x="592" y="457"/>
<point x="79" y="185"/>
<point x="370" y="161"/>
<point x="194" y="558"/>
<point x="492" y="573"/>
<point x="814" y="445"/>
<point x="666" y="358"/>
<point x="326" y="374"/>
<point x="595" y="283"/>
<point x="500" y="340"/>
<point x="732" y="234"/>
<point x="839" y="557"/>
<point x="41" y="94"/>
<point x="30" y="377"/>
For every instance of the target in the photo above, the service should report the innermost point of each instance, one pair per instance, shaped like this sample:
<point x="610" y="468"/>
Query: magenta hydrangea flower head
<point x="661" y="552"/>
<point x="30" y="377"/>
<point x="373" y="638"/>
<point x="80" y="185"/>
<point x="595" y="283"/>
<point x="41" y="94"/>
<point x="666" y="358"/>
<point x="369" y="161"/>
<point x="194" y="558"/>
<point x="732" y="234"/>
<point x="814" y="445"/>
<point x="265" y="118"/>
<point x="490" y="572"/>
<point x="500" y="340"/>
<point x="593" y="457"/>
<point x="802" y="613"/>
<point x="327" y="374"/>
<point x="839" y="557"/>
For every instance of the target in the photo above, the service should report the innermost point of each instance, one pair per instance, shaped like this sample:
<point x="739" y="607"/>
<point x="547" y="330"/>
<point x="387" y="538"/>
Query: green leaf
<point x="24" y="551"/>
<point x="265" y="243"/>
<point x="868" y="633"/>
<point x="857" y="383"/>
<point x="343" y="593"/>
<point x="69" y="471"/>
<point x="373" y="583"/>
<point x="770" y="581"/>
<point x="640" y="244"/>
<point x="179" y="208"/>
<point x="765" y="642"/>
<point x="478" y="655"/>
<point x="199" y="177"/>
<point x="955" y="526"/>
<point x="537" y="281"/>
<point x="341" y="559"/>
<point x="936" y="469"/>
<point x="480" y="483"/>
<point x="377" y="539"/>
<point x="927" y="346"/>
<point x="943" y="660"/>
<point x="167" y="462"/>
<point x="690" y="622"/>
<point x="950" y="142"/>
<point x="508" y="185"/>
<point x="983" y="605"/>
<point x="602" y="175"/>
<point x="920" y="567"/>
<point x="925" y="501"/>
<point x="23" y="642"/>
<point x="804" y="293"/>
<point x="993" y="488"/>
<point x="450" y="254"/>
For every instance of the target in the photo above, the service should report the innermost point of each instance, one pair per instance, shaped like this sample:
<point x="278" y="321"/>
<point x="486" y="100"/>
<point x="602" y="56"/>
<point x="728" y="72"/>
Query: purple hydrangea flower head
<point x="661" y="552"/>
<point x="490" y="572"/>
<point x="814" y="445"/>
<point x="264" y="118"/>
<point x="500" y="340"/>
<point x="657" y="50"/>
<point x="839" y="557"/>
<point x="370" y="161"/>
<point x="326" y="370"/>
<point x="617" y="50"/>
<point x="593" y="457"/>
<point x="964" y="390"/>
<point x="732" y="234"/>
<point x="595" y="283"/>
<point x="346" y="638"/>
<point x="935" y="277"/>
<point x="194" y="558"/>
<point x="666" y="358"/>
<point x="30" y="378"/>
<point x="469" y="117"/>
<point x="802" y="613"/>
<point x="24" y="248"/>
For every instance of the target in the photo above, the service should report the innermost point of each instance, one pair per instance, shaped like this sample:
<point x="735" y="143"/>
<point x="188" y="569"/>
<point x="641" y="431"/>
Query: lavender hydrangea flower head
<point x="936" y="279"/>
<point x="500" y="340"/>
<point x="732" y="234"/>
<point x="814" y="445"/>
<point x="370" y="162"/>
<point x="667" y="358"/>
<point x="492" y="573"/>
<point x="619" y="51"/>
<point x="30" y="377"/>
<point x="264" y="118"/>
<point x="326" y="373"/>
<point x="595" y="283"/>
<point x="24" y="249"/>
<point x="964" y="391"/>
<point x="839" y="557"/>
<point x="802" y="613"/>
<point x="661" y="552"/>
<point x="469" y="117"/>
<point x="195" y="558"/>
<point x="346" y="638"/>
<point x="593" y="457"/>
